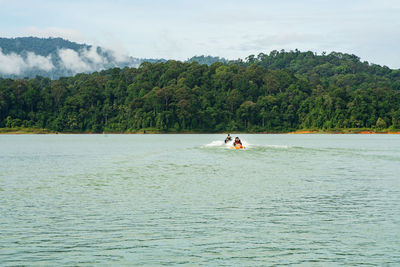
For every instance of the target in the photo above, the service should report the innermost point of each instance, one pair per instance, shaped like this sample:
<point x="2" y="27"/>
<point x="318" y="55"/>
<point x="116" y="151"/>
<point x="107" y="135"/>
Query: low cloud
<point x="85" y="60"/>
<point x="11" y="63"/>
<point x="91" y="59"/>
<point x="71" y="60"/>
<point x="116" y="50"/>
<point x="40" y="62"/>
<point x="14" y="64"/>
<point x="92" y="55"/>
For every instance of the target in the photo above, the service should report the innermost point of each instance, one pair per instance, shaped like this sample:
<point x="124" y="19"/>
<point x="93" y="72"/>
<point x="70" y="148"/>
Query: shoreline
<point x="19" y="131"/>
<point x="345" y="131"/>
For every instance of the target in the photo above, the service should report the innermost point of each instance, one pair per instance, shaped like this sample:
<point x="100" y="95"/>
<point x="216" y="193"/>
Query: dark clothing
<point x="228" y="139"/>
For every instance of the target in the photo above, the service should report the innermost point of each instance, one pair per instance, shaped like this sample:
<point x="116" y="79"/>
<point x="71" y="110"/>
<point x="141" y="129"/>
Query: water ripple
<point x="170" y="200"/>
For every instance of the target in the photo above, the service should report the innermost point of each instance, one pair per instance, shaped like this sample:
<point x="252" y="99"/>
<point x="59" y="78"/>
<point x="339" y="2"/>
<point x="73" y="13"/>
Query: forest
<point x="277" y="92"/>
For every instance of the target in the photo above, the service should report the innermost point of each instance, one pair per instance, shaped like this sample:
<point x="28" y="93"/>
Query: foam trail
<point x="215" y="143"/>
<point x="278" y="146"/>
<point x="222" y="144"/>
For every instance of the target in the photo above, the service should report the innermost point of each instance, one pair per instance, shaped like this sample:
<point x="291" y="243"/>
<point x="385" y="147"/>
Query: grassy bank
<point x="24" y="130"/>
<point x="347" y="131"/>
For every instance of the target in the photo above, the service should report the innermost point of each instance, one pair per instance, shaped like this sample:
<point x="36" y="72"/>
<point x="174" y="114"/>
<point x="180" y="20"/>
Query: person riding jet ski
<point x="228" y="138"/>
<point x="237" y="142"/>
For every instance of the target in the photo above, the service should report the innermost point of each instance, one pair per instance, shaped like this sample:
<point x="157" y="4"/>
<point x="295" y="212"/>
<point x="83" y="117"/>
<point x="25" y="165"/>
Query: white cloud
<point x="40" y="62"/>
<point x="14" y="64"/>
<point x="11" y="63"/>
<point x="118" y="55"/>
<point x="92" y="55"/>
<point x="115" y="48"/>
<point x="89" y="60"/>
<point x="71" y="60"/>
<point x="84" y="60"/>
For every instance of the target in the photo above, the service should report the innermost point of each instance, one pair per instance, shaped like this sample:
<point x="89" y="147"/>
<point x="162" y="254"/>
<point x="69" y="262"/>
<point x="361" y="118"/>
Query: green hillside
<point x="40" y="46"/>
<point x="282" y="91"/>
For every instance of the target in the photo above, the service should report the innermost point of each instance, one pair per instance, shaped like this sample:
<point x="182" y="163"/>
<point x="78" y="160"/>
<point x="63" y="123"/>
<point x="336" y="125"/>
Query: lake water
<point x="151" y="200"/>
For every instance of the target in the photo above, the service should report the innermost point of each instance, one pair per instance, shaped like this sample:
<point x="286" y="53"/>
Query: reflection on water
<point x="189" y="199"/>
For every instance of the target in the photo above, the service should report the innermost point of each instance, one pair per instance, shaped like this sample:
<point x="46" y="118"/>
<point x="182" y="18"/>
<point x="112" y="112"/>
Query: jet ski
<point x="238" y="146"/>
<point x="228" y="139"/>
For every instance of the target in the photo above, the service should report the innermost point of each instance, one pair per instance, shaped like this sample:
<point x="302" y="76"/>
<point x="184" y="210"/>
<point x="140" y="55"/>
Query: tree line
<point x="281" y="91"/>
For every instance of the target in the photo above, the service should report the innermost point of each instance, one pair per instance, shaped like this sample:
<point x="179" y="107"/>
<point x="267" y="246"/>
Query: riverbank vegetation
<point x="24" y="130"/>
<point x="279" y="92"/>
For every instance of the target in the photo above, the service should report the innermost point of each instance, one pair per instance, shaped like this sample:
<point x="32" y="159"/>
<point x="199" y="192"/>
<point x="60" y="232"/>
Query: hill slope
<point x="39" y="46"/>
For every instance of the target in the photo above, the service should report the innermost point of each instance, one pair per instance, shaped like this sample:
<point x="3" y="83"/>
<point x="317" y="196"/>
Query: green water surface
<point x="151" y="200"/>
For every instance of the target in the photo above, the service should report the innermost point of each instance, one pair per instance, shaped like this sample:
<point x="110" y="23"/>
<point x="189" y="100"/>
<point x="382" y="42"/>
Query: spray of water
<point x="215" y="144"/>
<point x="222" y="144"/>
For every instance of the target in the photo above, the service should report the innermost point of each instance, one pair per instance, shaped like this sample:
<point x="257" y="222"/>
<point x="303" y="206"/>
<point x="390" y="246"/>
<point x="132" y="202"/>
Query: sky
<point x="178" y="29"/>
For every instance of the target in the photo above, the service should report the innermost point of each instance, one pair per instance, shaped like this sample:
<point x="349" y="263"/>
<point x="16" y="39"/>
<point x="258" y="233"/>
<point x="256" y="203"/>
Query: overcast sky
<point x="178" y="29"/>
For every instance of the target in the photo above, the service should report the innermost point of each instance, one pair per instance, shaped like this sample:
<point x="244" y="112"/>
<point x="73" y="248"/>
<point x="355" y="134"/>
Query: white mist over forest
<point x="85" y="60"/>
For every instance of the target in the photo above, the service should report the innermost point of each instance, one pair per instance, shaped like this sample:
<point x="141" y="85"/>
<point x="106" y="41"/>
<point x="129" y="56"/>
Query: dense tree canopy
<point x="208" y="60"/>
<point x="281" y="91"/>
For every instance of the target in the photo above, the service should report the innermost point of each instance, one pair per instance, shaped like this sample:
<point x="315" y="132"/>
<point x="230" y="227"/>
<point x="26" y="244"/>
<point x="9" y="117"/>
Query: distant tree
<point x="380" y="123"/>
